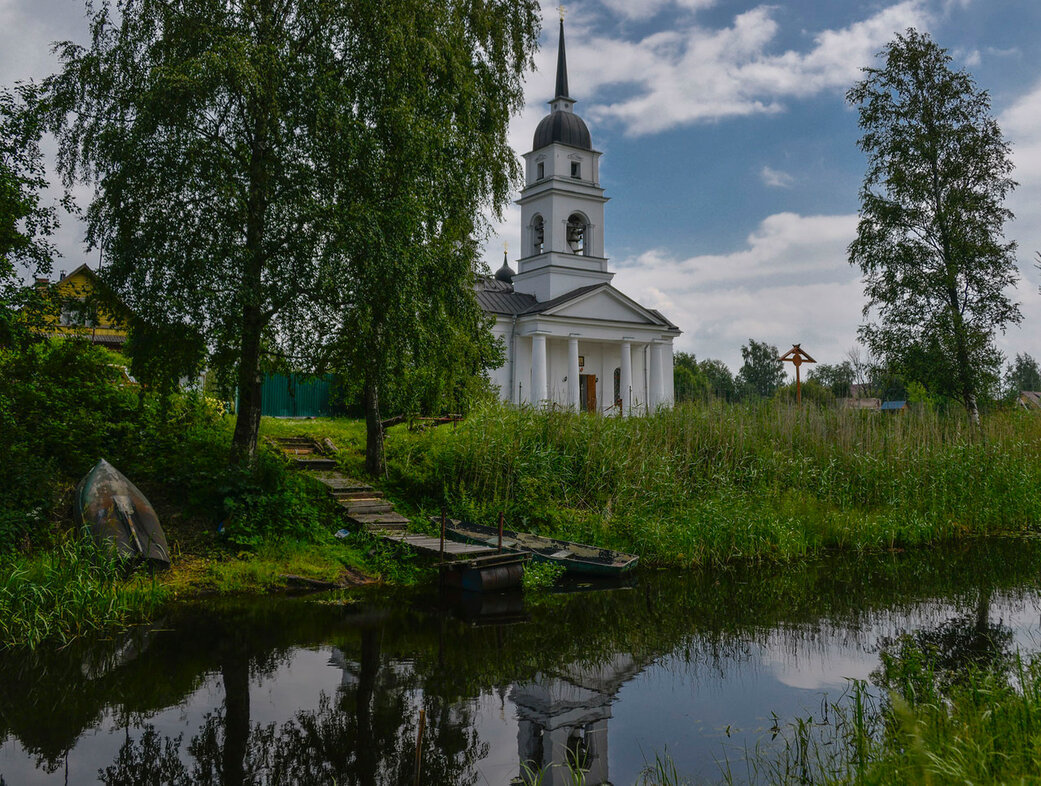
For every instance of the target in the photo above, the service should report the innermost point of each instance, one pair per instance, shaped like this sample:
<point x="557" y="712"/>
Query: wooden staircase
<point x="362" y="504"/>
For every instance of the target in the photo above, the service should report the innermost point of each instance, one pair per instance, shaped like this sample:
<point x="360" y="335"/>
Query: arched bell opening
<point x="577" y="234"/>
<point x="538" y="235"/>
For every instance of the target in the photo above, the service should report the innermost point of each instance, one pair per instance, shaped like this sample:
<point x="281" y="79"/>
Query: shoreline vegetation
<point x="703" y="484"/>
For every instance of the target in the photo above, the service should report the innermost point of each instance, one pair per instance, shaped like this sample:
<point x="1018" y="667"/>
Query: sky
<point x="730" y="153"/>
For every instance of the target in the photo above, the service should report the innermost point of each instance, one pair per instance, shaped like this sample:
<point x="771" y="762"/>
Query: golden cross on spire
<point x="562" y="11"/>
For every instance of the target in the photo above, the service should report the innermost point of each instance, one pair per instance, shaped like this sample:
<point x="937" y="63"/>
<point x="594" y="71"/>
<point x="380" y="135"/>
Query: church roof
<point x="497" y="297"/>
<point x="564" y="127"/>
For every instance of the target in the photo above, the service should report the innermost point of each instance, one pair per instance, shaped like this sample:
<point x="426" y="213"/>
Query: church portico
<point x="572" y="339"/>
<point x="586" y="373"/>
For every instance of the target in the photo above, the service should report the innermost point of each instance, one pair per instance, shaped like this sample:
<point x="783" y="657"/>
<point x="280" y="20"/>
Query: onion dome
<point x="505" y="273"/>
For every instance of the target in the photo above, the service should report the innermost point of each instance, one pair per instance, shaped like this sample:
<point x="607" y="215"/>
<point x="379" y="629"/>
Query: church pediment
<point x="602" y="302"/>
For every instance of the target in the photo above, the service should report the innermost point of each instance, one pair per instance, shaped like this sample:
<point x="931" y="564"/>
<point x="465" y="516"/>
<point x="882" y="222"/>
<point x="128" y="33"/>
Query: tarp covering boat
<point x="119" y="515"/>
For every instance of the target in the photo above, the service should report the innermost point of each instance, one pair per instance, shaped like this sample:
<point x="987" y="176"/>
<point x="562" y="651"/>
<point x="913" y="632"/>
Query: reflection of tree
<point x="931" y="660"/>
<point x="150" y="761"/>
<point x="365" y="735"/>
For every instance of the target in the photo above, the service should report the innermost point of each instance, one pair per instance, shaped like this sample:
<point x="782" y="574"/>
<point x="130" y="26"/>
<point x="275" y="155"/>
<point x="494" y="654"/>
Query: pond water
<point x="314" y="689"/>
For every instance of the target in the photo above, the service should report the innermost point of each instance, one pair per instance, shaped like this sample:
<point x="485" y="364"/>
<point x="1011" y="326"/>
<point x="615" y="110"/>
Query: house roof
<point x="1030" y="398"/>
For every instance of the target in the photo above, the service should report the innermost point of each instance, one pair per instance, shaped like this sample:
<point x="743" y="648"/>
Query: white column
<point x="538" y="369"/>
<point x="572" y="373"/>
<point x="625" y="381"/>
<point x="668" y="375"/>
<point x="655" y="392"/>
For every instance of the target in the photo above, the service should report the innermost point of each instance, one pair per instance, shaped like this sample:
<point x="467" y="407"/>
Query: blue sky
<point x="729" y="152"/>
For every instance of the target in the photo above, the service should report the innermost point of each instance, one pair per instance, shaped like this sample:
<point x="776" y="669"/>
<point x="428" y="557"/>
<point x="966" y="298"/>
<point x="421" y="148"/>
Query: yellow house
<point x="81" y="312"/>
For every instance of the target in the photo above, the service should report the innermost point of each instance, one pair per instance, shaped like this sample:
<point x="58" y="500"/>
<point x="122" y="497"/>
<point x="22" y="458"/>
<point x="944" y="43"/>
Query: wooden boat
<point x="119" y="515"/>
<point x="577" y="558"/>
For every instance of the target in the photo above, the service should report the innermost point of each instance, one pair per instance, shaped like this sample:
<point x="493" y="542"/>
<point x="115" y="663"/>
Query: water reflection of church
<point x="562" y="718"/>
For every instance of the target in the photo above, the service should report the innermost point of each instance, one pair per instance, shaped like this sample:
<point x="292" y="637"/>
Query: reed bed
<point x="68" y="591"/>
<point x="711" y="483"/>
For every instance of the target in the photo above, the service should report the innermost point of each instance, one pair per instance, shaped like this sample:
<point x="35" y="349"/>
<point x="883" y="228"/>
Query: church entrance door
<point x="587" y="391"/>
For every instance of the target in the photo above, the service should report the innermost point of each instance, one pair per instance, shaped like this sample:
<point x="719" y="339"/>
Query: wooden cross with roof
<point x="796" y="356"/>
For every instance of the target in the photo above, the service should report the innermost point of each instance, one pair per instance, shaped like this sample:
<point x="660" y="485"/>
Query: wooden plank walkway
<point x="368" y="509"/>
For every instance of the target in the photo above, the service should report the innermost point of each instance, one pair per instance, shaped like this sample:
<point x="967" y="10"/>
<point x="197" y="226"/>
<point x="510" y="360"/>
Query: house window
<point x="576" y="169"/>
<point x="618" y="387"/>
<point x="540" y="168"/>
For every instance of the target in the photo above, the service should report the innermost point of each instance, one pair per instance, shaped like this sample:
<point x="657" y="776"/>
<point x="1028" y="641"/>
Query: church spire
<point x="561" y="64"/>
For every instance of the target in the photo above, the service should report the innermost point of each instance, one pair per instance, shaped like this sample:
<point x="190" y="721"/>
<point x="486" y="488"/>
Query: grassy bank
<point x="231" y="526"/>
<point x="713" y="483"/>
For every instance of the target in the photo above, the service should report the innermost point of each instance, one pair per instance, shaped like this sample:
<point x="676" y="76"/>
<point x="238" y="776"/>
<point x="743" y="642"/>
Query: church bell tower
<point x="562" y="203"/>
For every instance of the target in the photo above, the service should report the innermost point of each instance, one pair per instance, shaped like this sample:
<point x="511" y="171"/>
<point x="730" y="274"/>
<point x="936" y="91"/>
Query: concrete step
<point x="386" y="527"/>
<point x="357" y="494"/>
<point x="378" y="518"/>
<point x="367" y="507"/>
<point x="314" y="463"/>
<point x="338" y="484"/>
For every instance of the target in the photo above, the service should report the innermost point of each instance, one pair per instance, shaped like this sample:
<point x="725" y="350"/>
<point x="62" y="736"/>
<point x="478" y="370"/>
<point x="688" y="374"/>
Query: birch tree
<point x="930" y="240"/>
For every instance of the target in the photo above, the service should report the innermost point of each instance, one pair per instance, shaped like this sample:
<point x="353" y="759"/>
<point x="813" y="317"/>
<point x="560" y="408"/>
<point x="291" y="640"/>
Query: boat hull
<point x="119" y="516"/>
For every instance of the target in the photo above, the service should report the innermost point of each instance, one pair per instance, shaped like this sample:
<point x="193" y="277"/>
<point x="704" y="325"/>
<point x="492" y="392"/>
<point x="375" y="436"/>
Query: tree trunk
<point x="375" y="464"/>
<point x="247" y="418"/>
<point x="261" y="110"/>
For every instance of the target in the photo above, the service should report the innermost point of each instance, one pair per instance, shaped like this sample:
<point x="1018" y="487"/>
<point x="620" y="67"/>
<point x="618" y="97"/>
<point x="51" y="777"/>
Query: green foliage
<point x="930" y="239"/>
<point x="813" y="392"/>
<point x="161" y="355"/>
<point x="690" y="383"/>
<point x="70" y="590"/>
<point x="1022" y="374"/>
<point x="540" y="576"/>
<point x="301" y="180"/>
<point x="717" y="482"/>
<point x="25" y="224"/>
<point x="837" y="378"/>
<point x="762" y="371"/>
<point x="721" y="381"/>
<point x="61" y="408"/>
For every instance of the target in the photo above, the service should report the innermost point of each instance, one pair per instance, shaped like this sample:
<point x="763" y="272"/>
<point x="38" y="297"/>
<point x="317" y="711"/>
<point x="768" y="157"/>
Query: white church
<point x="572" y="339"/>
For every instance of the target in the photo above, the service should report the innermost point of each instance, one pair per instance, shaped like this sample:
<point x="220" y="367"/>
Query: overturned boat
<point x="120" y="516"/>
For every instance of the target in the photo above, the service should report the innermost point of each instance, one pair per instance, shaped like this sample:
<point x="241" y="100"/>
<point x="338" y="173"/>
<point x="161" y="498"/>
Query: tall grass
<point x="710" y="483"/>
<point x="983" y="728"/>
<point x="72" y="589"/>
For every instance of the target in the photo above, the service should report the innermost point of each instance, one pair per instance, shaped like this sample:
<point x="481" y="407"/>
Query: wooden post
<point x="442" y="536"/>
<point x="419" y="744"/>
<point x="500" y="531"/>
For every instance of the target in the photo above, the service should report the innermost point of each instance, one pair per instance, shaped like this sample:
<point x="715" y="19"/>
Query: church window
<point x="538" y="234"/>
<point x="618" y="387"/>
<point x="540" y="169"/>
<point x="576" y="234"/>
<point x="576" y="169"/>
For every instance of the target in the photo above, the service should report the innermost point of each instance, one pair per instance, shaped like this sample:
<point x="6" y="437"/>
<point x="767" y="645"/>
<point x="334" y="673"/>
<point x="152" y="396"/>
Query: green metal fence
<point x="296" y="396"/>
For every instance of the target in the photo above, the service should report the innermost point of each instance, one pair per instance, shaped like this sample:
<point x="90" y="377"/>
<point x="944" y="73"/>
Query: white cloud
<point x="692" y="73"/>
<point x="791" y="283"/>
<point x="645" y="9"/>
<point x="775" y="178"/>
